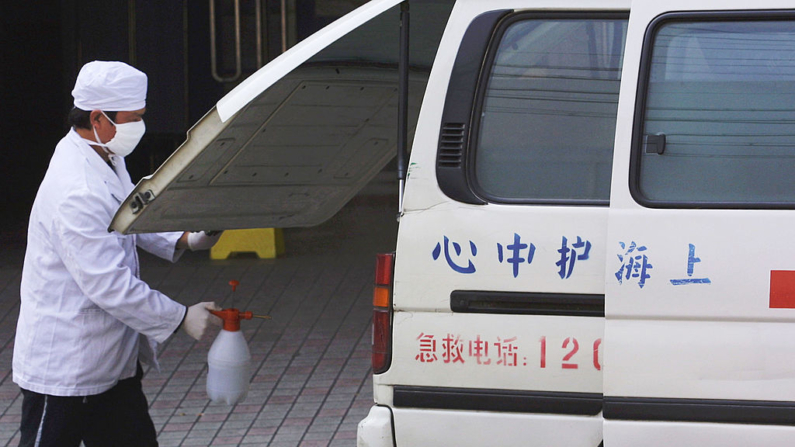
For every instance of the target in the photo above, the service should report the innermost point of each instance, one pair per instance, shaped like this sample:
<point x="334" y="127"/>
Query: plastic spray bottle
<point x="229" y="360"/>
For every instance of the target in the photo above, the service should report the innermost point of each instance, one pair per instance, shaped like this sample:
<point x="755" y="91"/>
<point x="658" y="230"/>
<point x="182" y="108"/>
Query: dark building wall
<point x="31" y="105"/>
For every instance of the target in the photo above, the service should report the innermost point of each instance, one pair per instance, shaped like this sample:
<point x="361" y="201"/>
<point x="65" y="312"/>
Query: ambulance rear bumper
<point x="376" y="429"/>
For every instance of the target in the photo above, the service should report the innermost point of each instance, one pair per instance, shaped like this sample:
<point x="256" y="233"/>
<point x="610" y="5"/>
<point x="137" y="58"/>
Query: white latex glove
<point x="198" y="319"/>
<point x="201" y="241"/>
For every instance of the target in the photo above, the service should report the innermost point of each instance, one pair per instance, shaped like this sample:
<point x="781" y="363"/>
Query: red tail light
<point x="382" y="312"/>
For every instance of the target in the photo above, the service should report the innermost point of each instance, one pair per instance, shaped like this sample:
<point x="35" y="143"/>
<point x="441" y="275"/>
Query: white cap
<point x="110" y="86"/>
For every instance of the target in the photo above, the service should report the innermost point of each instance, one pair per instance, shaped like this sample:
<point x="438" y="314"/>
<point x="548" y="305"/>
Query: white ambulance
<point x="597" y="236"/>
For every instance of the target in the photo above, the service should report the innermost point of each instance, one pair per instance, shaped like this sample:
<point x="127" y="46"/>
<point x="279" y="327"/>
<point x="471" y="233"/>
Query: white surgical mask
<point x="128" y="135"/>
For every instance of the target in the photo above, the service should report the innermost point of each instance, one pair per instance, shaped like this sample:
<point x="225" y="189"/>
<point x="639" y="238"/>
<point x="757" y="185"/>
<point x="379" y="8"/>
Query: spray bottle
<point x="229" y="360"/>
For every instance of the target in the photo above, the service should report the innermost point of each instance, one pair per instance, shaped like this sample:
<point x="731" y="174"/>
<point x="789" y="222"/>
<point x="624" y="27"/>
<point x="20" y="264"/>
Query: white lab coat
<point x="85" y="316"/>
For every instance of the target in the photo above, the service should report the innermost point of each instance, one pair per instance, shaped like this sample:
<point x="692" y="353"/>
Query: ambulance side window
<point x="547" y="110"/>
<point x="715" y="119"/>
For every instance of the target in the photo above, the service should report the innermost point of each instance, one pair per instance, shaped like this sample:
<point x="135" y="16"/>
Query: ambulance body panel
<point x="498" y="306"/>
<point x="700" y="355"/>
<point x="696" y="276"/>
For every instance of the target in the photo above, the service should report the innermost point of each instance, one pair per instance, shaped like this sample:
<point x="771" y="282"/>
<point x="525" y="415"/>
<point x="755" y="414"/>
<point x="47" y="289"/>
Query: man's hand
<point x="198" y="318"/>
<point x="202" y="240"/>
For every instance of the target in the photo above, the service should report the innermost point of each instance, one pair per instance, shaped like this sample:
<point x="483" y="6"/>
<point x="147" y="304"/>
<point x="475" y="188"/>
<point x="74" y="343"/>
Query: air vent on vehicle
<point x="451" y="145"/>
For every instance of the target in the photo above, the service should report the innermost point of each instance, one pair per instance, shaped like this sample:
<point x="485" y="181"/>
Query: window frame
<point x="480" y="96"/>
<point x="639" y="116"/>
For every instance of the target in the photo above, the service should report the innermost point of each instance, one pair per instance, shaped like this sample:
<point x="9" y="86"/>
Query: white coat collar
<point x="110" y="176"/>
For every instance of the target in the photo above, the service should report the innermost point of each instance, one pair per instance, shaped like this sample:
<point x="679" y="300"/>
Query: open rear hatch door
<point x="295" y="141"/>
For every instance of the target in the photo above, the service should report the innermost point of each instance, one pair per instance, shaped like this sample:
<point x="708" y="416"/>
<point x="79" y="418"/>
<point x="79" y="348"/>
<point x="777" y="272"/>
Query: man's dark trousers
<point x="117" y="417"/>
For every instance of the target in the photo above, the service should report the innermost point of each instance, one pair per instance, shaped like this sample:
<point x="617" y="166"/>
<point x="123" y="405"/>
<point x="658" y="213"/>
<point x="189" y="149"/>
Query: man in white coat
<point x="86" y="319"/>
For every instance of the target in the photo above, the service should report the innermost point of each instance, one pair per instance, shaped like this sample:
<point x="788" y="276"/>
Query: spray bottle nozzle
<point x="232" y="318"/>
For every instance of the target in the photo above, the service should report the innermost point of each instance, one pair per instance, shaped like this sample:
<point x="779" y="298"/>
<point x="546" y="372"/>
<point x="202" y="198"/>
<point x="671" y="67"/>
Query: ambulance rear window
<point x="716" y="125"/>
<point x="548" y="113"/>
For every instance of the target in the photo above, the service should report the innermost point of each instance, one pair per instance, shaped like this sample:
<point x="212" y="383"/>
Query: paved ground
<point x="312" y="381"/>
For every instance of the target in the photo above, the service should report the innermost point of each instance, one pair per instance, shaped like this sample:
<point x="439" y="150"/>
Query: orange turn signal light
<point x="381" y="296"/>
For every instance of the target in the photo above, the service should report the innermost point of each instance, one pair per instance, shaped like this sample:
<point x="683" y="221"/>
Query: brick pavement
<point x="311" y="382"/>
